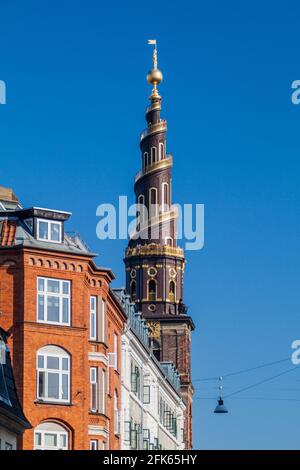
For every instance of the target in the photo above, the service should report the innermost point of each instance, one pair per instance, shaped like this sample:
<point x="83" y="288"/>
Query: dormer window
<point x="49" y="231"/>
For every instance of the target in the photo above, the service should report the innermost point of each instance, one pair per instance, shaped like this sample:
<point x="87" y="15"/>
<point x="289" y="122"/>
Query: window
<point x="146" y="439"/>
<point x="165" y="197"/>
<point x="152" y="290"/>
<point x="93" y="318"/>
<point x="53" y="374"/>
<point x="94" y="389"/>
<point x="49" y="231"/>
<point x="141" y="202"/>
<point x="161" y="151"/>
<point x="133" y="290"/>
<point x="102" y="320"/>
<point x="116" y="414"/>
<point x="50" y="436"/>
<point x="172" y="288"/>
<point x="116" y="340"/>
<point x="102" y="391"/>
<point x="135" y="380"/>
<point x="97" y="319"/>
<point x="93" y="444"/>
<point x="146" y="395"/>
<point x="53" y="301"/>
<point x="153" y="155"/>
<point x="146" y="159"/>
<point x="153" y="201"/>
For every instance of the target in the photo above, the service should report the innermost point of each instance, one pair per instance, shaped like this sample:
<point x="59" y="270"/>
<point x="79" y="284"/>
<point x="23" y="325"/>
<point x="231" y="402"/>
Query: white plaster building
<point x="152" y="411"/>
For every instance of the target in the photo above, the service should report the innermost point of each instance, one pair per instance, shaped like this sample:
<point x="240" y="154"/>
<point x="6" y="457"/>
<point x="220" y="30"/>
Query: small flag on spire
<point x="152" y="41"/>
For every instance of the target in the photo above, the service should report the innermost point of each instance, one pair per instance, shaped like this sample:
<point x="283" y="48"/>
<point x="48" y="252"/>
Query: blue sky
<point x="76" y="96"/>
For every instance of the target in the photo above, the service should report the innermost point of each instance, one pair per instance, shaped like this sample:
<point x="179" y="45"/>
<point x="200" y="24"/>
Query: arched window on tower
<point x="165" y="197"/>
<point x="172" y="291"/>
<point x="152" y="290"/>
<point x="133" y="290"/>
<point x="153" y="154"/>
<point x="146" y="158"/>
<point x="161" y="151"/>
<point x="153" y="202"/>
<point x="141" y="211"/>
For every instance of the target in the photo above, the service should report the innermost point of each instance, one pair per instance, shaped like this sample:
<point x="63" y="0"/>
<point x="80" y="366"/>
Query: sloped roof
<point x="8" y="232"/>
<point x="8" y="199"/>
<point x="10" y="405"/>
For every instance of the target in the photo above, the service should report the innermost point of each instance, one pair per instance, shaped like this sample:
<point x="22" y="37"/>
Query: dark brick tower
<point x="154" y="262"/>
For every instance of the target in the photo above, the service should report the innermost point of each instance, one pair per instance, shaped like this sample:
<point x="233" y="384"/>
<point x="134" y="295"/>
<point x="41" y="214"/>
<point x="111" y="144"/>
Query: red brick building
<point x="65" y="328"/>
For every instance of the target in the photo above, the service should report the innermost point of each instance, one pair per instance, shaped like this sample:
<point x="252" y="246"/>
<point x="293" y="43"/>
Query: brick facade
<point x="19" y="269"/>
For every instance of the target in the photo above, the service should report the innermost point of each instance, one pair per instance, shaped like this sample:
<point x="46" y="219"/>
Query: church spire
<point x="154" y="262"/>
<point x="154" y="76"/>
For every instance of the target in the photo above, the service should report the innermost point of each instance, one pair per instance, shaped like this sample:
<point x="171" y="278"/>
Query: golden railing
<point x="154" y="249"/>
<point x="154" y="128"/>
<point x="161" y="164"/>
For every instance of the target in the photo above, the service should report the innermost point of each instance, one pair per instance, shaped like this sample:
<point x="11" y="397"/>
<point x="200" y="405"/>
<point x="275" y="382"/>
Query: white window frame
<point x="116" y="348"/>
<point x="58" y="435"/>
<point x="102" y="399"/>
<point x="60" y="372"/>
<point x="94" y="444"/>
<point x="116" y="415"/>
<point x="93" y="318"/>
<point x="49" y="223"/>
<point x="103" y="321"/>
<point x="161" y="151"/>
<point x="165" y="191"/>
<point x="60" y="296"/>
<point x="94" y="384"/>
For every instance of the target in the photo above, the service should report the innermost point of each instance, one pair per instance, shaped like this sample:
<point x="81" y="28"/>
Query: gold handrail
<point x="153" y="128"/>
<point x="159" y="165"/>
<point x="154" y="249"/>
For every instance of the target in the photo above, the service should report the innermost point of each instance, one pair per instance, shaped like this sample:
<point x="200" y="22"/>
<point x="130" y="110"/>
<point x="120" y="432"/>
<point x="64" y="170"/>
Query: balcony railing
<point x="154" y="249"/>
<point x="160" y="126"/>
<point x="159" y="165"/>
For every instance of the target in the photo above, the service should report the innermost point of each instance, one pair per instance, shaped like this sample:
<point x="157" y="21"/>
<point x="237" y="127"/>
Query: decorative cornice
<point x="154" y="250"/>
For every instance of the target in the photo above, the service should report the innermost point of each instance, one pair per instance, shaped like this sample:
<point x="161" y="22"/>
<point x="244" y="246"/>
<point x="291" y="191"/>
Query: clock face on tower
<point x="154" y="329"/>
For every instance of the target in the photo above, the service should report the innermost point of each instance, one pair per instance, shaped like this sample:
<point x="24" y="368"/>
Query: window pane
<point x="93" y="303"/>
<point x="55" y="232"/>
<point x="41" y="307"/>
<point x="65" y="363"/>
<point x="53" y="286"/>
<point x="94" y="396"/>
<point x="65" y="315"/>
<point x="65" y="288"/>
<point x="53" y="309"/>
<point x="50" y="440"/>
<point x="43" y="230"/>
<point x="65" y="387"/>
<point x="63" y="440"/>
<point x="41" y="385"/>
<point x="40" y="362"/>
<point x="53" y="385"/>
<point x="52" y="362"/>
<point x="38" y="439"/>
<point x="93" y="325"/>
<point x="41" y="284"/>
